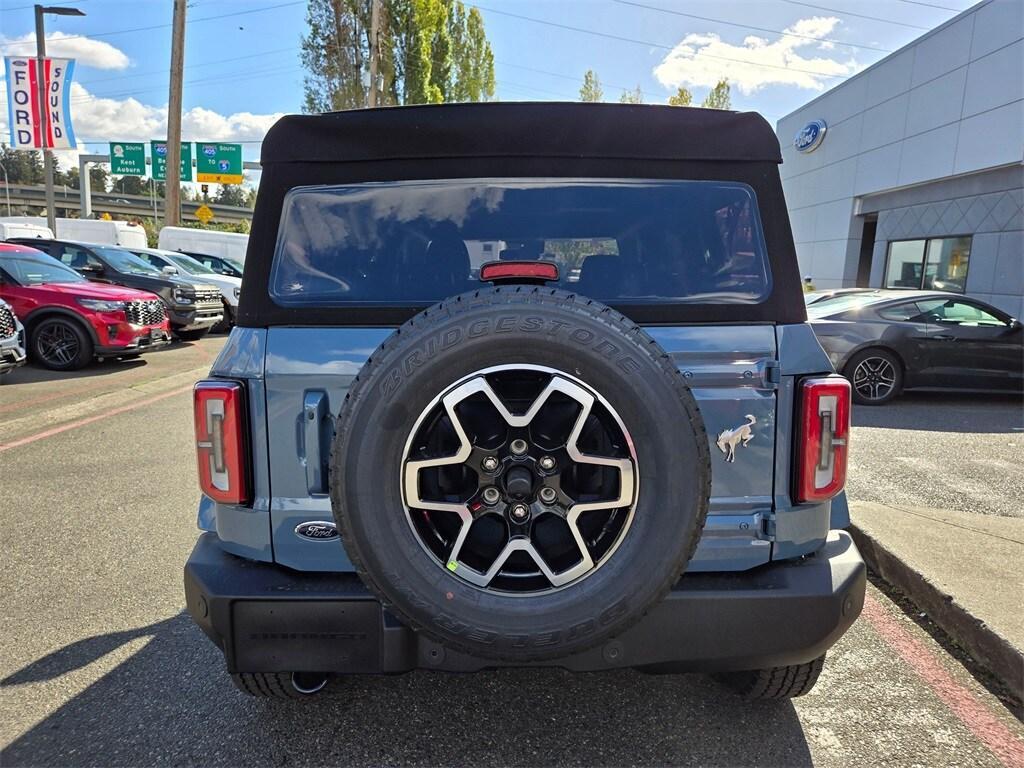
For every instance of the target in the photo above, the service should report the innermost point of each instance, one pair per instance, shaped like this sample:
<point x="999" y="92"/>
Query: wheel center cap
<point x="519" y="483"/>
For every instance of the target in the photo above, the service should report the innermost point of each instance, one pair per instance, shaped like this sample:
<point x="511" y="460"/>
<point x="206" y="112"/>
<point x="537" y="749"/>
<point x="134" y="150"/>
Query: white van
<point x="229" y="245"/>
<point x="103" y="232"/>
<point x="23" y="226"/>
<point x="97" y="231"/>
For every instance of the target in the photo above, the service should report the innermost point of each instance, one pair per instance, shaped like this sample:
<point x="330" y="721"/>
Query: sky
<point x="242" y="68"/>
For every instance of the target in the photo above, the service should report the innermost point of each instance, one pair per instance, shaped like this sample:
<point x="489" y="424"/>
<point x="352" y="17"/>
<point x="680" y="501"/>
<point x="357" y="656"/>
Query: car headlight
<point x="101" y="306"/>
<point x="238" y="292"/>
<point x="181" y="296"/>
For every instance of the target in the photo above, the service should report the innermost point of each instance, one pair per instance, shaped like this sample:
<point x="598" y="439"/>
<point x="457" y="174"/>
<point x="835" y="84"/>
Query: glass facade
<point x="938" y="264"/>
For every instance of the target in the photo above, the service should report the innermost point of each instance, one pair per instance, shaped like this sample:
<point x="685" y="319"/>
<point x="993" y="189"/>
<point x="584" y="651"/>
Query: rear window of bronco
<point x="619" y="241"/>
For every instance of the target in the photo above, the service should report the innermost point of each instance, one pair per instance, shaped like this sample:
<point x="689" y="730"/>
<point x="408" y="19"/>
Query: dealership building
<point x="911" y="173"/>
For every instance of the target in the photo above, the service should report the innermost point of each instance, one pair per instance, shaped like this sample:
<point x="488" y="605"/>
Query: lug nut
<point x="520" y="512"/>
<point x="548" y="495"/>
<point x="518" y="447"/>
<point x="491" y="495"/>
<point x="547" y="463"/>
<point x="490" y="463"/>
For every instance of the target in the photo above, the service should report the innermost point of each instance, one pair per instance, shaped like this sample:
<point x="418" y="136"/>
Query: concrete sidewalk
<point x="966" y="571"/>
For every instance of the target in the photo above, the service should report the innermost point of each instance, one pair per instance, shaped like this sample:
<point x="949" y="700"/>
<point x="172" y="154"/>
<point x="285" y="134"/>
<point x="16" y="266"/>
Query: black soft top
<point x="521" y="140"/>
<point x="518" y="129"/>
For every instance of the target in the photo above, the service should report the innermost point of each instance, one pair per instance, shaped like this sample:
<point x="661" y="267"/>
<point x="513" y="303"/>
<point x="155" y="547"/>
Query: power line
<point x="26" y="7"/>
<point x="858" y="15"/>
<point x="167" y="26"/>
<point x="188" y="66"/>
<point x="648" y="44"/>
<point x="932" y="5"/>
<point x="751" y="26"/>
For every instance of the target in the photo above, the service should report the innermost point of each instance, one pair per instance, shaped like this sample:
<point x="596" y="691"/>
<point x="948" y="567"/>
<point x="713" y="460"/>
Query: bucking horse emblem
<point x="728" y="439"/>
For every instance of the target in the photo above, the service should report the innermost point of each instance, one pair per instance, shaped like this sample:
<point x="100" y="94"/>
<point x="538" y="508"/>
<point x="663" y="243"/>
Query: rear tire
<point x="775" y="682"/>
<point x="876" y="376"/>
<point x="280" y="685"/>
<point x="192" y="335"/>
<point x="60" y="344"/>
<point x="224" y="325"/>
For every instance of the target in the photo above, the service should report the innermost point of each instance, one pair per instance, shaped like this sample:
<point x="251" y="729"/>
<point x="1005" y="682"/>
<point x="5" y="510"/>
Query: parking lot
<point x="99" y="665"/>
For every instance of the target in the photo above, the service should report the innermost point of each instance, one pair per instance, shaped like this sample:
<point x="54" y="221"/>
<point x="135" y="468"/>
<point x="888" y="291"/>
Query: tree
<point x="132" y="185"/>
<point x="22" y="167"/>
<point x="230" y="194"/>
<point x="591" y="89"/>
<point x="682" y="98"/>
<point x="635" y="96"/>
<point x="429" y="51"/>
<point x="718" y="97"/>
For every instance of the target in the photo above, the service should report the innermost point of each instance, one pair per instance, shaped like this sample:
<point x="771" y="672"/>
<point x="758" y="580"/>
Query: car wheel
<point x="776" y="682"/>
<point x="501" y="468"/>
<point x="192" y="335"/>
<point x="876" y="376"/>
<point x="61" y="345"/>
<point x="280" y="685"/>
<point x="225" y="324"/>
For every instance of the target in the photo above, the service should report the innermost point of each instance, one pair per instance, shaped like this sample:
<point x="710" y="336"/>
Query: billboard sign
<point x="24" y="113"/>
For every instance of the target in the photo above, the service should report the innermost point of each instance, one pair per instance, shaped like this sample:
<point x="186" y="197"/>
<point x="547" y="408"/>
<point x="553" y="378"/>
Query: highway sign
<point x="219" y="163"/>
<point x="158" y="149"/>
<point x="127" y="159"/>
<point x="204" y="214"/>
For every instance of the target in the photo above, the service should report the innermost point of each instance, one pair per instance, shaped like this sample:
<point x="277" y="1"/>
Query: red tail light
<point x="825" y="430"/>
<point x="221" y="447"/>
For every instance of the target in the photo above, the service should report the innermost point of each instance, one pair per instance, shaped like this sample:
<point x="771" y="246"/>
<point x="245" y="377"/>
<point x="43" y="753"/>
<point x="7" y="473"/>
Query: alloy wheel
<point x="520" y="479"/>
<point x="874" y="378"/>
<point x="58" y="344"/>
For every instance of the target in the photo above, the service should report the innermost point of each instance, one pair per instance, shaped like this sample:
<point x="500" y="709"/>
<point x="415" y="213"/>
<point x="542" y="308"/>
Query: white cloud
<point x="85" y="51"/>
<point x="702" y="60"/>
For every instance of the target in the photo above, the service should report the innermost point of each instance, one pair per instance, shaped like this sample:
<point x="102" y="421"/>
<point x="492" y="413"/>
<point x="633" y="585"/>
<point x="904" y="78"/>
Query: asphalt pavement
<point x="100" y="666"/>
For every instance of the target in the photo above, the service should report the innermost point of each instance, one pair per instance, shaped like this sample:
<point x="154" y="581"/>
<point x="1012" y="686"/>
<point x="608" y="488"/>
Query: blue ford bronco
<point x="522" y="385"/>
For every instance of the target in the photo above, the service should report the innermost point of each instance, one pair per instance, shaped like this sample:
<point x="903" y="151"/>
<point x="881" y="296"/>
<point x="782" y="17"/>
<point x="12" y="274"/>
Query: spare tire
<point x="520" y="472"/>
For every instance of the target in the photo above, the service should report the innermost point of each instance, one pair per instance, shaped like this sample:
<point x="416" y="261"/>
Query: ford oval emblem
<point x="810" y="136"/>
<point x="317" y="530"/>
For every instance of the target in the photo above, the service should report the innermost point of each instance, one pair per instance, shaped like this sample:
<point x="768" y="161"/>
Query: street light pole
<point x="44" y="107"/>
<point x="172" y="182"/>
<point x="7" y="189"/>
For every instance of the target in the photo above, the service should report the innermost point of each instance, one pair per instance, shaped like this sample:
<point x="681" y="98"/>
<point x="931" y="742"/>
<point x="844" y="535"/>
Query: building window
<point x="938" y="264"/>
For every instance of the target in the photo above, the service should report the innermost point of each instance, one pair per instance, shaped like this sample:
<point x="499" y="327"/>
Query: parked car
<point x="888" y="341"/>
<point x="71" y="321"/>
<point x="12" y="339"/>
<point x="192" y="307"/>
<point x="173" y="263"/>
<point x="406" y="467"/>
<point x="191" y="240"/>
<point x="221" y="265"/>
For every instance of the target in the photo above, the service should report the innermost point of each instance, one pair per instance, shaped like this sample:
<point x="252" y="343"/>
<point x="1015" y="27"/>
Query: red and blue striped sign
<point x="30" y="126"/>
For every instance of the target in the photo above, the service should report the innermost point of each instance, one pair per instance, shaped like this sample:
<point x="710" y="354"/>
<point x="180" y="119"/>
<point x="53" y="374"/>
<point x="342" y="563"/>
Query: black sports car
<point x="885" y="341"/>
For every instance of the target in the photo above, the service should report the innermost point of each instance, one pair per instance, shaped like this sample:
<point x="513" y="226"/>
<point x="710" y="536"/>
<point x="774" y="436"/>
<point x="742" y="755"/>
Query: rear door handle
<point x="944" y="337"/>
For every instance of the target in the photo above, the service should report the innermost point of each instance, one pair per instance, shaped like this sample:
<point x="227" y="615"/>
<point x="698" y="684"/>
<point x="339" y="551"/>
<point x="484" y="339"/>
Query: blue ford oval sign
<point x="317" y="530"/>
<point x="810" y="136"/>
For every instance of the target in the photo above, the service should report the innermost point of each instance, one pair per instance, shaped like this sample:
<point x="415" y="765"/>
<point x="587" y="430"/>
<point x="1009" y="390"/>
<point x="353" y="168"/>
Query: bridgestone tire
<point x="775" y="683"/>
<point x="520" y="326"/>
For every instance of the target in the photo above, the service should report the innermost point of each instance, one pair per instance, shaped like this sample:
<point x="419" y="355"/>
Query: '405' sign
<point x="34" y="125"/>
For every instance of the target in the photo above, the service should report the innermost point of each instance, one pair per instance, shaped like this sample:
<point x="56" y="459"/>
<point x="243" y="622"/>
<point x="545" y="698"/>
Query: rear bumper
<point x="267" y="618"/>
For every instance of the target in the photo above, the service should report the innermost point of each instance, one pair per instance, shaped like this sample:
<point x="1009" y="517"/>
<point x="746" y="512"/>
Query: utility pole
<point x="371" y="93"/>
<point x="44" y="106"/>
<point x="172" y="196"/>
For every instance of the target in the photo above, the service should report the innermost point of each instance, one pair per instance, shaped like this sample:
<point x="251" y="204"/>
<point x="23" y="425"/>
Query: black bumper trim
<point x="267" y="618"/>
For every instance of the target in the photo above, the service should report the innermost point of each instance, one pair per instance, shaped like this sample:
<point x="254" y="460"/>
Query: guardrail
<point x="68" y="200"/>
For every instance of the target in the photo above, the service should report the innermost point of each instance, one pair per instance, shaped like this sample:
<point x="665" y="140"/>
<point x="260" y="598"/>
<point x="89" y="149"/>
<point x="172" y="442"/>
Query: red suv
<point x="70" y="320"/>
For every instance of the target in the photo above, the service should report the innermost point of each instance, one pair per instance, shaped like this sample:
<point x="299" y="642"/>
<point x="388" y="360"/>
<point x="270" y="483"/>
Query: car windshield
<point x="844" y="302"/>
<point x="240" y="266"/>
<point x="190" y="265"/>
<point x="126" y="262"/>
<point x="39" y="271"/>
<point x="622" y="241"/>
